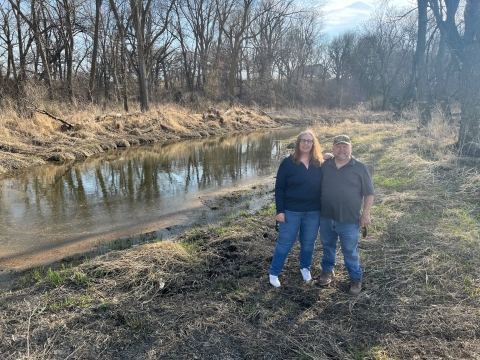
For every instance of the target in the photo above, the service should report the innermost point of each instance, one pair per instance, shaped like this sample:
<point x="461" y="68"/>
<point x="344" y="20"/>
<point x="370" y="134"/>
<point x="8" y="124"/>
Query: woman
<point x="297" y="198"/>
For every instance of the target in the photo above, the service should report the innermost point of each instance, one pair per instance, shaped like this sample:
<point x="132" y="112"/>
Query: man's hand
<point x="327" y="156"/>
<point x="365" y="220"/>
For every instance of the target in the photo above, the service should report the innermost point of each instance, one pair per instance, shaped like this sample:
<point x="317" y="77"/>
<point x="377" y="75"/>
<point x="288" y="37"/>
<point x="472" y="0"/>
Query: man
<point x="346" y="184"/>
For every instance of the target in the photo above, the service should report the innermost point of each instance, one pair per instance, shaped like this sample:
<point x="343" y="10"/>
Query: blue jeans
<point x="330" y="232"/>
<point x="307" y="224"/>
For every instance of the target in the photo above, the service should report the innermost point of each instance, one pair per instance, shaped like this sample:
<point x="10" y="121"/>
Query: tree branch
<point x="42" y="111"/>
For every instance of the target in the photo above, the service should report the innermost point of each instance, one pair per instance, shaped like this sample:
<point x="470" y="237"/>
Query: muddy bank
<point x="20" y="148"/>
<point x="208" y="210"/>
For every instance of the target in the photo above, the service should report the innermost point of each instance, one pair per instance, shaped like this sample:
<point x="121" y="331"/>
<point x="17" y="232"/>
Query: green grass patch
<point x="270" y="210"/>
<point x="373" y="353"/>
<point x="393" y="174"/>
<point x="461" y="224"/>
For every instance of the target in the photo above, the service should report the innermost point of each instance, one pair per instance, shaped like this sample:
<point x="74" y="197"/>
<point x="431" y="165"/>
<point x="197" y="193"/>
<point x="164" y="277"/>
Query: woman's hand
<point x="327" y="156"/>
<point x="280" y="217"/>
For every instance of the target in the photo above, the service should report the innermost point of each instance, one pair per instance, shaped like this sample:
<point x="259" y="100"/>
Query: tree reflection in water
<point x="53" y="205"/>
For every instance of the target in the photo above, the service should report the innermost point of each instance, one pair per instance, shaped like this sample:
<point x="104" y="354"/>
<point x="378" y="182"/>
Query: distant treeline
<point x="269" y="52"/>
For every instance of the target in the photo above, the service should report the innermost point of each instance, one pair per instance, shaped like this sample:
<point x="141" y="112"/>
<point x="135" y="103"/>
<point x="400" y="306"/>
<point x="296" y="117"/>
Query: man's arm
<point x="365" y="219"/>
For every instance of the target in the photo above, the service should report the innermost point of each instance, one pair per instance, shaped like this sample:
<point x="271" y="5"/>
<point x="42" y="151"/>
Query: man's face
<point x="342" y="151"/>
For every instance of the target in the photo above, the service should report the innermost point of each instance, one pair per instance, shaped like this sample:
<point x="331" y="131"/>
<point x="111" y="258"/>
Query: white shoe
<point x="274" y="281"/>
<point x="306" y="274"/>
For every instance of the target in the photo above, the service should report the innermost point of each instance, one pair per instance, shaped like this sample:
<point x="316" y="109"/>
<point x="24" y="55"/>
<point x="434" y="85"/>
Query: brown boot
<point x="355" y="287"/>
<point x="326" y="277"/>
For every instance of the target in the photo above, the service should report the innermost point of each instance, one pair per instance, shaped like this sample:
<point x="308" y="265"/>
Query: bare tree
<point x="365" y="68"/>
<point x="189" y="56"/>
<point x="322" y="60"/>
<point x="441" y="94"/>
<point x="201" y="17"/>
<point x="146" y="31"/>
<point x="298" y="45"/>
<point x="93" y="61"/>
<point x="390" y="45"/>
<point x="274" y="24"/>
<point x="34" y="22"/>
<point x="7" y="36"/>
<point x="467" y="47"/>
<point x="12" y="35"/>
<point x="420" y="71"/>
<point x="340" y="51"/>
<point x="236" y="21"/>
<point x="65" y="16"/>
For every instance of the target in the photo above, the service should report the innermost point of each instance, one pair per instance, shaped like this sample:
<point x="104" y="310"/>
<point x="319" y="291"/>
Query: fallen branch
<point x="42" y="111"/>
<point x="264" y="113"/>
<point x="261" y="111"/>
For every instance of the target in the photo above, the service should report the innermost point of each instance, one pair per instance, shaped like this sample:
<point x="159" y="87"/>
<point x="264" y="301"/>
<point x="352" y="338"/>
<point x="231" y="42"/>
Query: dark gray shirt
<point x="343" y="190"/>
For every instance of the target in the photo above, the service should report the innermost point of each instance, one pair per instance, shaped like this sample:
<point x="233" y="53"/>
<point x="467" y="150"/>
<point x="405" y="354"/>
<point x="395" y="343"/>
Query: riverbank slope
<point x="42" y="138"/>
<point x="205" y="294"/>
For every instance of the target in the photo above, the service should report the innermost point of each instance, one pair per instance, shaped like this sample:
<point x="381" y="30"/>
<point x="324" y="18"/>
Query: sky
<point x="343" y="15"/>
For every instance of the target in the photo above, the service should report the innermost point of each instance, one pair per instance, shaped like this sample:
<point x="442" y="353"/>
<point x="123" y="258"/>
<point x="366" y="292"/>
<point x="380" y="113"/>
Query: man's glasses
<point x="305" y="141"/>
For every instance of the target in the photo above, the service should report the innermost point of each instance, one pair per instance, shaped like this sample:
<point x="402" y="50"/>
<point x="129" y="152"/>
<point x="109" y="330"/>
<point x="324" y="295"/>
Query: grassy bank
<point x="42" y="138"/>
<point x="205" y="294"/>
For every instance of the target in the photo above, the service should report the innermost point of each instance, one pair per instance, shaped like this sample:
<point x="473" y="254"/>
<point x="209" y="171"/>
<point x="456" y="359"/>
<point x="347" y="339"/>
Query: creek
<point x="57" y="210"/>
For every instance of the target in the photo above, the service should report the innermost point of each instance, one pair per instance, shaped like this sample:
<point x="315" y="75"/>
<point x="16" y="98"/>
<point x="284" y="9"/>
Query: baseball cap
<point x="341" y="139"/>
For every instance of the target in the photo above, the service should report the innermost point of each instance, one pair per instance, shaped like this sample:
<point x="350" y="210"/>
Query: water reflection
<point x="50" y="206"/>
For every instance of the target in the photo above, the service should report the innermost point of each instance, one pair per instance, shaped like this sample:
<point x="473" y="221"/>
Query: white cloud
<point x="346" y="17"/>
<point x="340" y="4"/>
<point x="343" y="15"/>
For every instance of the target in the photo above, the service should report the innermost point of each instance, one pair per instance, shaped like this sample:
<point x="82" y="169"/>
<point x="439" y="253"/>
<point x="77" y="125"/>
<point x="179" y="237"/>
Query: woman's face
<point x="306" y="143"/>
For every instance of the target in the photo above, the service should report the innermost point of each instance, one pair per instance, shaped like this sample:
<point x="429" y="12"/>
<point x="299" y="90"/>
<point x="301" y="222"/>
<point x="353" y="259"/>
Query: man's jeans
<point x="305" y="222"/>
<point x="330" y="231"/>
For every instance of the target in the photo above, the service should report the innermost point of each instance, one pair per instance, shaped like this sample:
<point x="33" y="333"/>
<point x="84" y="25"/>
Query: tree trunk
<point x="93" y="68"/>
<point x="468" y="141"/>
<point x="441" y="95"/>
<point x="69" y="40"/>
<point x="420" y="68"/>
<point x="143" y="82"/>
<point x="124" y="77"/>
<point x="232" y="71"/>
<point x="231" y="75"/>
<point x="41" y="49"/>
<point x="139" y="25"/>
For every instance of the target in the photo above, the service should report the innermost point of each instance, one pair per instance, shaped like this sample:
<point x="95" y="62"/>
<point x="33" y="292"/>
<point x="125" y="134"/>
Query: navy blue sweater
<point x="298" y="188"/>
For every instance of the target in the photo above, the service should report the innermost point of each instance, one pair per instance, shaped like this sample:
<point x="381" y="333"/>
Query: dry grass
<point x="141" y="273"/>
<point x="206" y="295"/>
<point x="44" y="139"/>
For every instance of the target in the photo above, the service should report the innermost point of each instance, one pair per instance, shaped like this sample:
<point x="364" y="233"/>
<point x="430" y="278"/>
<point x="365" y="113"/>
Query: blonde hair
<point x="315" y="156"/>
